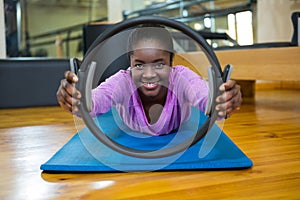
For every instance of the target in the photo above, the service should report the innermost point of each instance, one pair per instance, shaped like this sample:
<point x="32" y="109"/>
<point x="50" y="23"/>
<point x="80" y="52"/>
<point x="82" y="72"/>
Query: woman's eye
<point x="139" y="66"/>
<point x="159" y="66"/>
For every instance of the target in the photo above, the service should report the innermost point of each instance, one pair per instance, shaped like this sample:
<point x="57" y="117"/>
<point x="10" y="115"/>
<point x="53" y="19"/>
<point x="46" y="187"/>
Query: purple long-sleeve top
<point x="185" y="89"/>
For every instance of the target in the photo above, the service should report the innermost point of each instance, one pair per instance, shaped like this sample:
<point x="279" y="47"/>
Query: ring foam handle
<point x="227" y="72"/>
<point x="208" y="107"/>
<point x="218" y="81"/>
<point x="74" y="65"/>
<point x="87" y="76"/>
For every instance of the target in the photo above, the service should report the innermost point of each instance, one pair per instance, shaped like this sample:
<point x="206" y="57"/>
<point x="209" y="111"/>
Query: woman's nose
<point x="149" y="71"/>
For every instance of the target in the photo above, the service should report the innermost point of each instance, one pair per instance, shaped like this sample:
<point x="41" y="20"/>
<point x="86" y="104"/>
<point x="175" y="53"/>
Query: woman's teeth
<point x="150" y="85"/>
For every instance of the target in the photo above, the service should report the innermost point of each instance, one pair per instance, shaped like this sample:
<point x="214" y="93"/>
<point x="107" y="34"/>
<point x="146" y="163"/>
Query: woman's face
<point x="150" y="66"/>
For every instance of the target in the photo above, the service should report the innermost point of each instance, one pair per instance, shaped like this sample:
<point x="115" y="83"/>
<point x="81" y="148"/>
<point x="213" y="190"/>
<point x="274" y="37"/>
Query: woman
<point x="151" y="96"/>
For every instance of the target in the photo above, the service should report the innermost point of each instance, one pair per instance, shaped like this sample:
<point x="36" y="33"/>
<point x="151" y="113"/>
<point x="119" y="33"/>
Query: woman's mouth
<point x="150" y="85"/>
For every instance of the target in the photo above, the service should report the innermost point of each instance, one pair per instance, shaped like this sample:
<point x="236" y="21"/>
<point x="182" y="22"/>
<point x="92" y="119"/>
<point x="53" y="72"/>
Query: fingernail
<point x="222" y="87"/>
<point x="75" y="109"/>
<point x="75" y="78"/>
<point x="226" y="86"/>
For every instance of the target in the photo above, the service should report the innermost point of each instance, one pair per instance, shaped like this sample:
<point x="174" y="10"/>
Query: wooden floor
<point x="267" y="130"/>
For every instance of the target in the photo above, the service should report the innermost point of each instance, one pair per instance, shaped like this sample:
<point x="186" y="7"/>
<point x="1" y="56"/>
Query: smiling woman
<point x="152" y="100"/>
<point x="149" y="82"/>
<point x="151" y="55"/>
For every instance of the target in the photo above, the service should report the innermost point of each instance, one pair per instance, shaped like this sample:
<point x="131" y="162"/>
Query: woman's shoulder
<point x="179" y="68"/>
<point x="183" y="70"/>
<point x="119" y="79"/>
<point x="122" y="72"/>
<point x="121" y="75"/>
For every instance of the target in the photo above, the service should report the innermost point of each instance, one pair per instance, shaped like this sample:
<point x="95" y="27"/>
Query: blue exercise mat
<point x="84" y="153"/>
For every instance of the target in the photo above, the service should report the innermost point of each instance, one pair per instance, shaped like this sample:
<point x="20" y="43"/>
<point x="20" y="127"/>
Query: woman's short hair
<point x="151" y="32"/>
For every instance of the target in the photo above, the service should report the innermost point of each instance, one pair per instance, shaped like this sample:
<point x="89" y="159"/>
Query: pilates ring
<point x="85" y="74"/>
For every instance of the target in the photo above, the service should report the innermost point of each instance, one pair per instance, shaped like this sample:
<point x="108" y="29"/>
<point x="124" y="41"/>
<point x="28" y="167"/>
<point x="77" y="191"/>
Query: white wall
<point x="2" y="31"/>
<point x="274" y="20"/>
<point x="116" y="7"/>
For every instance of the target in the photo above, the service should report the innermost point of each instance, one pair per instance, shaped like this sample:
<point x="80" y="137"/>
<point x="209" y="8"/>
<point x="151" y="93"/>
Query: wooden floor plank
<point x="266" y="129"/>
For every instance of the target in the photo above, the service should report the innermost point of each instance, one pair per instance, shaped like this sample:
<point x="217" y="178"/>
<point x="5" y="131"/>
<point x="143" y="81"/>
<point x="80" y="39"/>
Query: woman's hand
<point x="67" y="95"/>
<point x="230" y="100"/>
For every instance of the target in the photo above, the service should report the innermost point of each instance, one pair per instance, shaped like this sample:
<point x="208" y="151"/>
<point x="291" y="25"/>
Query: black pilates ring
<point x="84" y="74"/>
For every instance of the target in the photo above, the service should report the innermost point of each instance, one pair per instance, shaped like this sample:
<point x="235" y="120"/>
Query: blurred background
<point x="59" y="28"/>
